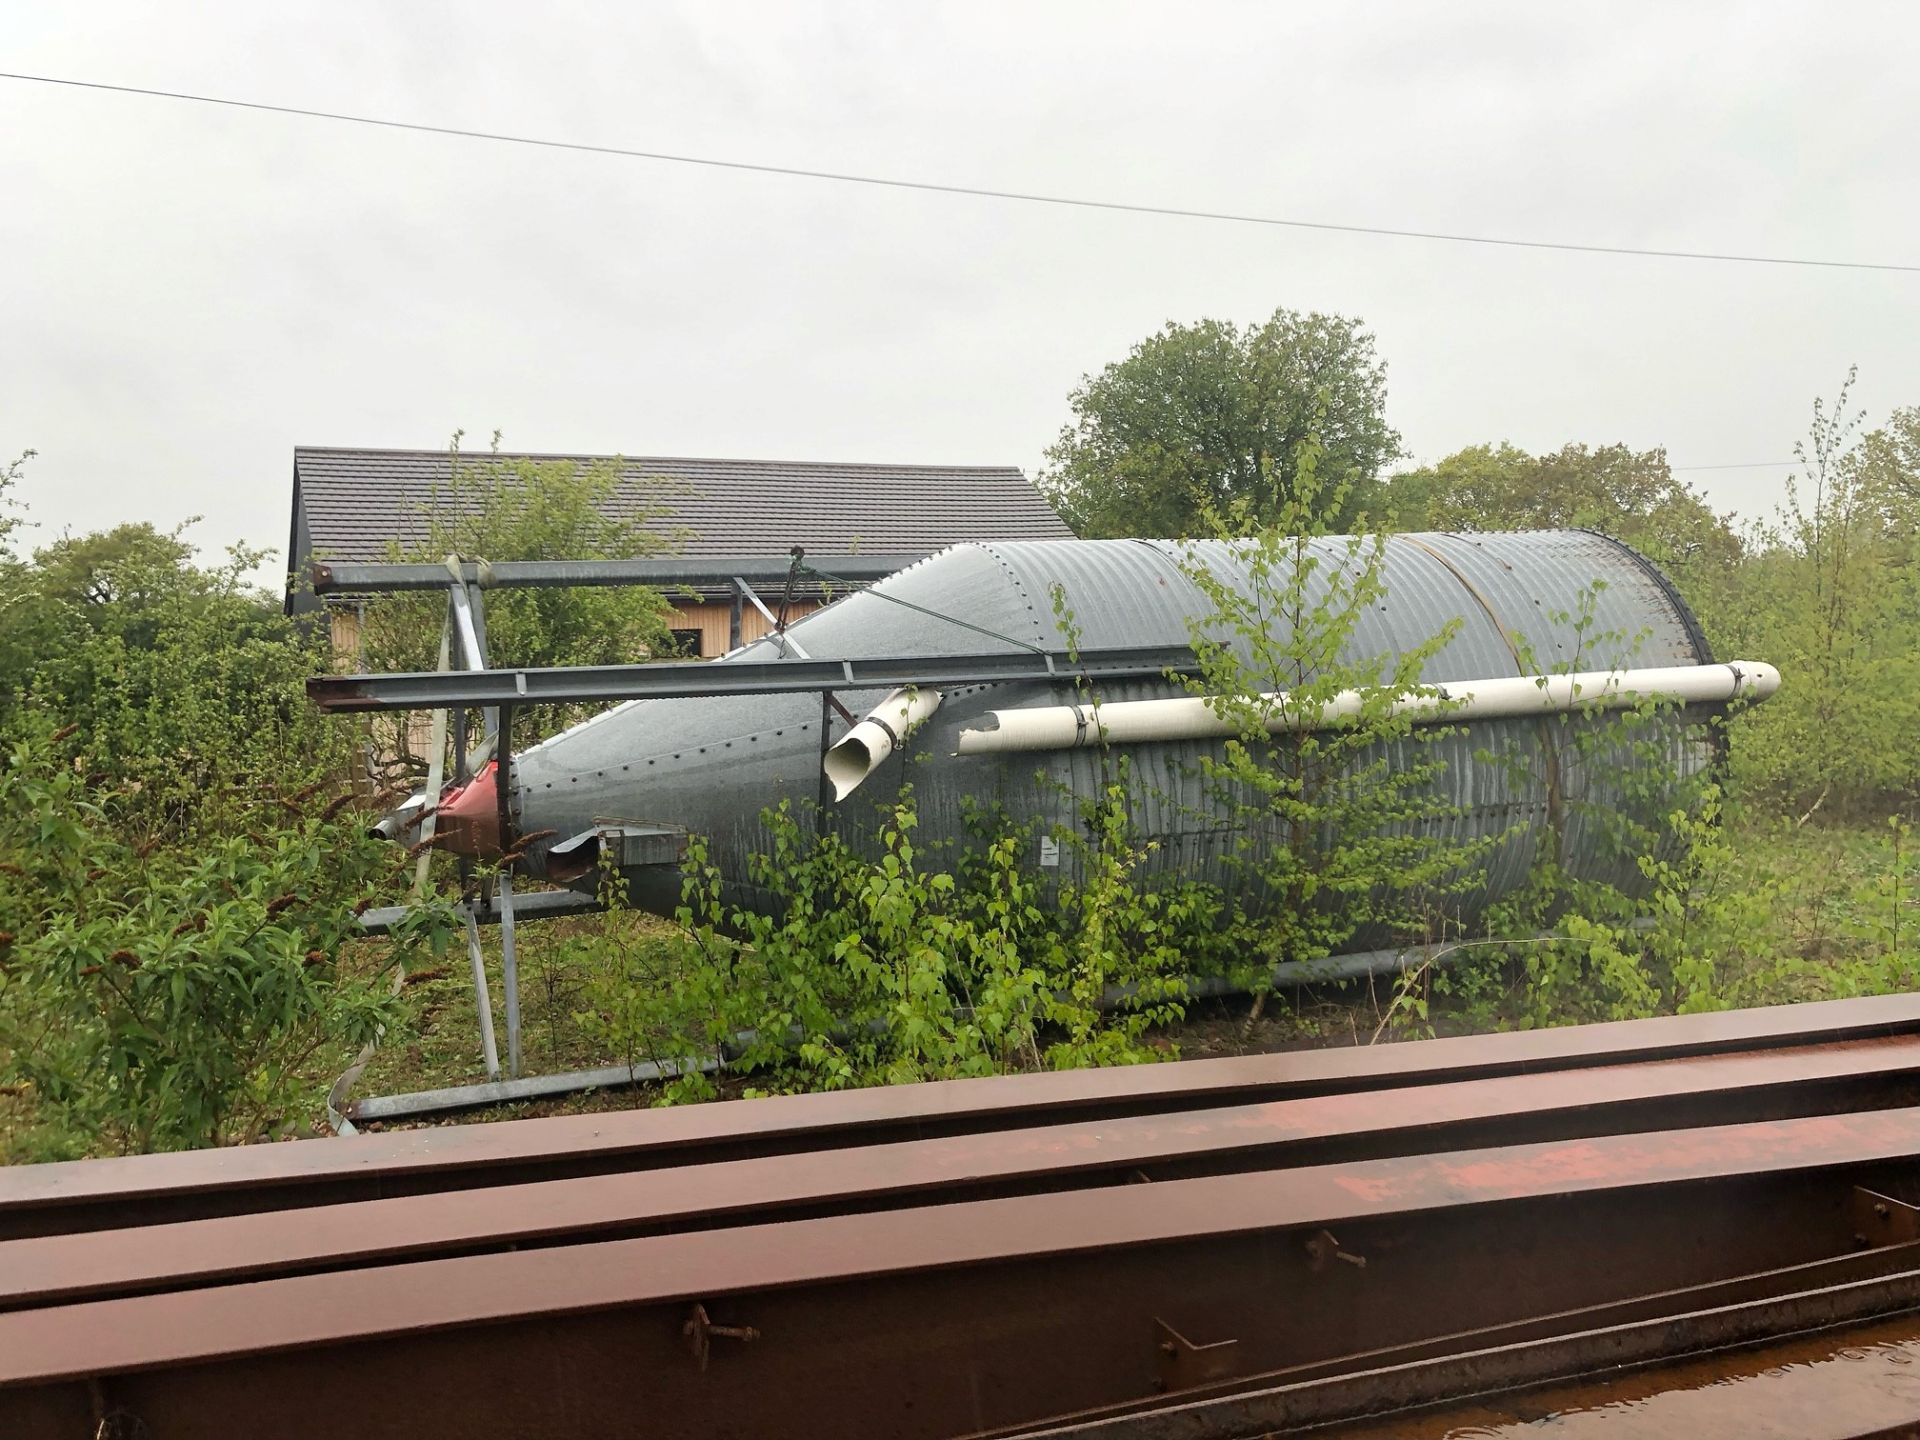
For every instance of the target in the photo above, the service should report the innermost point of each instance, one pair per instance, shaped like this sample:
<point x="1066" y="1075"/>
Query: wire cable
<point x="940" y="615"/>
<point x="976" y="191"/>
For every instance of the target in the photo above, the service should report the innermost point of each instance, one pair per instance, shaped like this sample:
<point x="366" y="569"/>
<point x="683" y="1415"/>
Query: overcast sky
<point x="186" y="293"/>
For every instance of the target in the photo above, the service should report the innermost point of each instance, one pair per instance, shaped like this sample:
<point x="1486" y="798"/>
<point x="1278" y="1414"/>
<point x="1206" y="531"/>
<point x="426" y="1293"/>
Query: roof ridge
<point x="418" y="454"/>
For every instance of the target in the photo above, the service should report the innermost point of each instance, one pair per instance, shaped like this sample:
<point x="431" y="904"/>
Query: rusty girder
<point x="1179" y="1249"/>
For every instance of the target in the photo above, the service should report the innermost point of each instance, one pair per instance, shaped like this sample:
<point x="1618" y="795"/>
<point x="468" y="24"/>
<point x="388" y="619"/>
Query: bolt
<point x="1167" y="1347"/>
<point x="1880" y="1209"/>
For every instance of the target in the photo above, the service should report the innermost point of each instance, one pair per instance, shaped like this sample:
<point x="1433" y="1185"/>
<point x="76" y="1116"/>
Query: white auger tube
<point x="1135" y="722"/>
<point x="863" y="749"/>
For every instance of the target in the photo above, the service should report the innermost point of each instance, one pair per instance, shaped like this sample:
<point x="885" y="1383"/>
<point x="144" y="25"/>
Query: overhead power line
<point x="977" y="191"/>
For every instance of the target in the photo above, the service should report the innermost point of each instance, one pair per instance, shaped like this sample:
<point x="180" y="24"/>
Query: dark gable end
<point x="352" y="504"/>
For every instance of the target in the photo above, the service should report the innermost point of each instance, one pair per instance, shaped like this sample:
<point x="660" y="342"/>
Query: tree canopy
<point x="1205" y="420"/>
<point x="1630" y="495"/>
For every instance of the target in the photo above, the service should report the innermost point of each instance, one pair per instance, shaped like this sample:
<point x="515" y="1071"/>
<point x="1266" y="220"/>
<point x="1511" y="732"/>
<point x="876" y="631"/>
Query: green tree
<point x="1339" y="829"/>
<point x="1832" y="597"/>
<point x="1630" y="495"/>
<point x="185" y="679"/>
<point x="1890" y="476"/>
<point x="497" y="507"/>
<point x="1208" y="418"/>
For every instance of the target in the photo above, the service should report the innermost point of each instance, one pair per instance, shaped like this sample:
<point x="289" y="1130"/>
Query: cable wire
<point x="977" y="191"/>
<point x="933" y="614"/>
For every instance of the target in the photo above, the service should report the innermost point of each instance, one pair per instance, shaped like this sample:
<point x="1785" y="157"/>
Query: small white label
<point x="1049" y="853"/>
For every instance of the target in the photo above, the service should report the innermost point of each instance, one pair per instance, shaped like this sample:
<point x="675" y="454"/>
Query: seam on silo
<point x="1689" y="622"/>
<point x="1549" y="750"/>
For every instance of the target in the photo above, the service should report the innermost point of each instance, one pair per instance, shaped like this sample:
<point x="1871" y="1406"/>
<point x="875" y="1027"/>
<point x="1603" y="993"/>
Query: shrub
<point x="160" y="997"/>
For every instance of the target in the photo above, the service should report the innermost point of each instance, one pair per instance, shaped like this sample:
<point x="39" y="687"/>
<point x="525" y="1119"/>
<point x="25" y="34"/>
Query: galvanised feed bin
<point x="652" y="770"/>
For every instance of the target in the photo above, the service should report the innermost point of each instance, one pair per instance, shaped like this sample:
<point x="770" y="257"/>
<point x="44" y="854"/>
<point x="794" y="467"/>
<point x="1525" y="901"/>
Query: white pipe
<point x="1133" y="722"/>
<point x="863" y="749"/>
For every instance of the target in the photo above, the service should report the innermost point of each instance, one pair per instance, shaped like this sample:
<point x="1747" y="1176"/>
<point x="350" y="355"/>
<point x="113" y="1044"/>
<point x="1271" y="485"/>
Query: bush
<point x="897" y="969"/>
<point x="187" y="682"/>
<point x="160" y="997"/>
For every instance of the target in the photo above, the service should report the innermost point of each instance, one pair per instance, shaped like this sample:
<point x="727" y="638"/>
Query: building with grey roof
<point x="356" y="505"/>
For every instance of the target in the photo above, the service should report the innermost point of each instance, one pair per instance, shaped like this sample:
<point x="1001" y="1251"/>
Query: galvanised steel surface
<point x="149" y="1189"/>
<point x="945" y="1319"/>
<point x="335" y="577"/>
<point x="684" y="679"/>
<point x="1684" y="1093"/>
<point x="711" y="765"/>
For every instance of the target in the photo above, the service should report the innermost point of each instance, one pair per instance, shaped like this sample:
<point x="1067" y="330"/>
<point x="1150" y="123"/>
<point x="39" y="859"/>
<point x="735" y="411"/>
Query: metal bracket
<point x="1323" y="1250"/>
<point x="700" y="1331"/>
<point x="1877" y="1219"/>
<point x="1180" y="1364"/>
<point x="631" y="845"/>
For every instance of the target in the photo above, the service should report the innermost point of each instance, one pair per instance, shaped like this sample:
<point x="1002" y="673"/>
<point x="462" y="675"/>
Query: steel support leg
<point x="510" y="974"/>
<point x="483" y="1001"/>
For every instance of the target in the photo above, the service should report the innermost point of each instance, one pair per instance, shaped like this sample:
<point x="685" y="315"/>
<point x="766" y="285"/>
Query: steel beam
<point x="939" y="1319"/>
<point x="136" y="1190"/>
<point x="697" y="571"/>
<point x="1634" y="1361"/>
<point x="531" y="905"/>
<point x="579" y="684"/>
<point x="1199" y="1405"/>
<point x="483" y="1000"/>
<point x="1516" y="1109"/>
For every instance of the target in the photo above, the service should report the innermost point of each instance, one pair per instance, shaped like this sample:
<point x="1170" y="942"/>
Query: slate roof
<point x="355" y="502"/>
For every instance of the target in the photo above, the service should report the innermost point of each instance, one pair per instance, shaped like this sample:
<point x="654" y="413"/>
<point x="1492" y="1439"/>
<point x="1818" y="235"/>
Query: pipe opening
<point x="848" y="763"/>
<point x="865" y="748"/>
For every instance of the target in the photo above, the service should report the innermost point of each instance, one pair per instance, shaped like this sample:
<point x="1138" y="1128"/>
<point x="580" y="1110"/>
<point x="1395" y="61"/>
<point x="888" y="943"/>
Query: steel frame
<point x="1198" y="1249"/>
<point x="585" y="684"/>
<point x="716" y="572"/>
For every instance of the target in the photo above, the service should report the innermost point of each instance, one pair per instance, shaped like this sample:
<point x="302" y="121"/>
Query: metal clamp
<point x="1323" y="1250"/>
<point x="1877" y="1219"/>
<point x="700" y="1331"/>
<point x="1180" y="1364"/>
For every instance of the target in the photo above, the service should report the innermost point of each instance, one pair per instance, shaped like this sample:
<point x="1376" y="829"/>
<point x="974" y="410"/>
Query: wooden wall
<point x="712" y="621"/>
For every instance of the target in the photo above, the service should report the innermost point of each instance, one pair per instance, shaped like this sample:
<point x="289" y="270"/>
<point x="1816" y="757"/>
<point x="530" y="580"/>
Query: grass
<point x="1809" y="912"/>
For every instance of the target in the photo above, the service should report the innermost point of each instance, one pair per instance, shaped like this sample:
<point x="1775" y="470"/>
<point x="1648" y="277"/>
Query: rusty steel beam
<point x="1836" y="1317"/>
<point x="1838" y="1381"/>
<point x="1740" y="1290"/>
<point x="938" y="1319"/>
<point x="47" y="1199"/>
<point x="1687" y="1092"/>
